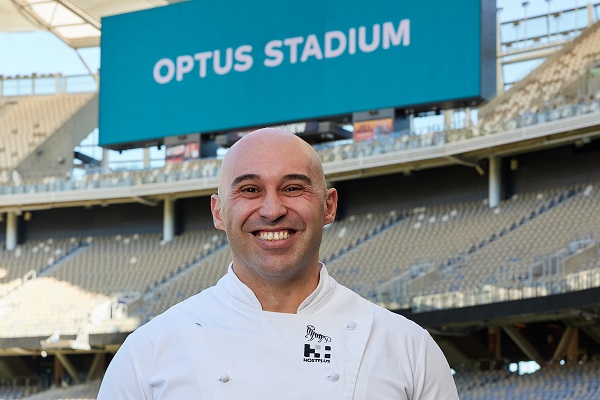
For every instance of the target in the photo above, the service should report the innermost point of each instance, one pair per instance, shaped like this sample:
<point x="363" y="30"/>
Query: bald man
<point x="277" y="326"/>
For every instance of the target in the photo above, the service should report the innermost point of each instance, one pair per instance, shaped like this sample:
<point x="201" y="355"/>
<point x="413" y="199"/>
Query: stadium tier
<point x="27" y="122"/>
<point x="541" y="89"/>
<point x="577" y="381"/>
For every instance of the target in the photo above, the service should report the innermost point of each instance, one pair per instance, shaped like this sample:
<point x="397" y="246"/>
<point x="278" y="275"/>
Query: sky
<point x="24" y="53"/>
<point x="40" y="52"/>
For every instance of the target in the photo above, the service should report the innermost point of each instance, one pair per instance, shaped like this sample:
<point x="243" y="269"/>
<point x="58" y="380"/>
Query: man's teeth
<point x="274" y="235"/>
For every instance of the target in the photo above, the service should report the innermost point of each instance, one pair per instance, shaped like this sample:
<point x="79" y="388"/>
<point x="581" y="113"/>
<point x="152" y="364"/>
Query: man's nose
<point x="272" y="207"/>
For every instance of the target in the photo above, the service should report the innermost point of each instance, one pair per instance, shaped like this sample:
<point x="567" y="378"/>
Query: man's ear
<point x="331" y="201"/>
<point x="215" y="209"/>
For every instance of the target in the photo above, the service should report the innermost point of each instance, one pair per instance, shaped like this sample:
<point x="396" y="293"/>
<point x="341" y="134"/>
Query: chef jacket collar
<point x="243" y="293"/>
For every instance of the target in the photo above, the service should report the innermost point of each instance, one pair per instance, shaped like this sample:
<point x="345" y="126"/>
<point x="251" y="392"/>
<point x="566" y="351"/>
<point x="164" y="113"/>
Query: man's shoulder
<point x="383" y="318"/>
<point x="187" y="310"/>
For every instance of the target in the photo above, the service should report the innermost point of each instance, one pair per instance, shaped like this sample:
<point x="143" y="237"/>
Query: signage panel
<point x="210" y="66"/>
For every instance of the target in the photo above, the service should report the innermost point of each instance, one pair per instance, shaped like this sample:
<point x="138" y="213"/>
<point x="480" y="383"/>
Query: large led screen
<point x="208" y="66"/>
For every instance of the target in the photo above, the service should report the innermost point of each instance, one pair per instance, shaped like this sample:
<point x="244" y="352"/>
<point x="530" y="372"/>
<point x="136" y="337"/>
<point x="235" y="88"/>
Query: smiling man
<point x="273" y="203"/>
<point x="277" y="326"/>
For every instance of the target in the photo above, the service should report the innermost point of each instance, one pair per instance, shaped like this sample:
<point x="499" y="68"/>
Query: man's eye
<point x="293" y="189"/>
<point x="249" y="190"/>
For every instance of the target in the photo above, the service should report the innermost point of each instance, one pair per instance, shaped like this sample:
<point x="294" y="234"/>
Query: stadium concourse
<point x="487" y="233"/>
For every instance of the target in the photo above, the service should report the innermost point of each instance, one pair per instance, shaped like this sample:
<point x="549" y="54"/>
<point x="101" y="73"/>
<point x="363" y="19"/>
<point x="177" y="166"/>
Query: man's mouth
<point x="274" y="236"/>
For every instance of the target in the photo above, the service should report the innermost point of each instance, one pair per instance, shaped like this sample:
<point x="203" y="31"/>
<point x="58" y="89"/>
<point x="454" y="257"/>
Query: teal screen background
<point x="442" y="63"/>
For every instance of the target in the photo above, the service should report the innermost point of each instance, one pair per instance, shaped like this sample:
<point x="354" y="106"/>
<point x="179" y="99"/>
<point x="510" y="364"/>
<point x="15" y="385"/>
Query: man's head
<point x="273" y="203"/>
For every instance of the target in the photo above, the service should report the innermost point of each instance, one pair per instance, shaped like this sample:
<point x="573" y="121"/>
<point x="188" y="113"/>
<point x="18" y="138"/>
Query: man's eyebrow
<point x="288" y="177"/>
<point x="245" y="177"/>
<point x="299" y="177"/>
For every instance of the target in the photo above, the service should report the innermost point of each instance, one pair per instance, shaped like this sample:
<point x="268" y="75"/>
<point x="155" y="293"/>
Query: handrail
<point x="402" y="142"/>
<point x="13" y="87"/>
<point x="488" y="294"/>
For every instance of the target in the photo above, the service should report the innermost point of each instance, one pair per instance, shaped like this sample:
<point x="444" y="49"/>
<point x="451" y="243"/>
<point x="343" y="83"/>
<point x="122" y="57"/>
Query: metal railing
<point x="486" y="294"/>
<point x="396" y="143"/>
<point x="46" y="84"/>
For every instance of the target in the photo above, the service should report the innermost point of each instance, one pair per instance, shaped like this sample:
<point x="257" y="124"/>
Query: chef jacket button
<point x="351" y="325"/>
<point x="224" y="378"/>
<point x="334" y="377"/>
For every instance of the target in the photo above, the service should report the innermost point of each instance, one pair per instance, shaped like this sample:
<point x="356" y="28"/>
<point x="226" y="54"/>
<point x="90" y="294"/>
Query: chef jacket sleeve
<point x="123" y="378"/>
<point x="433" y="379"/>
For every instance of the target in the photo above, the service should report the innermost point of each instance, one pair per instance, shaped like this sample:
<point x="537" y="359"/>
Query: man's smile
<point x="274" y="236"/>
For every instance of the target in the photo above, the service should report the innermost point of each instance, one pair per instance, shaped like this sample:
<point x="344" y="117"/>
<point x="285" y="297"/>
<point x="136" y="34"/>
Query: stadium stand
<point x="122" y="264"/>
<point x="44" y="306"/>
<point x="18" y="392"/>
<point x="202" y="274"/>
<point x="34" y="256"/>
<point x="87" y="391"/>
<point x="440" y="246"/>
<point x="538" y="247"/>
<point x="474" y="245"/>
<point x="395" y="236"/>
<point x="540" y="90"/>
<point x="341" y="237"/>
<point x="26" y="122"/>
<point x="560" y="382"/>
<point x="397" y="145"/>
<point x="97" y="179"/>
<point x="471" y="241"/>
<point x="30" y="294"/>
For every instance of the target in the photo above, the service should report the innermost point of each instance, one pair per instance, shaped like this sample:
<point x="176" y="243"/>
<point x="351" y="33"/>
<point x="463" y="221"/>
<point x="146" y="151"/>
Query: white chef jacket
<point x="221" y="345"/>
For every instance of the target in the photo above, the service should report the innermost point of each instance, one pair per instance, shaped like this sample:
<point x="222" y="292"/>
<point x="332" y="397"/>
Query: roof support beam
<point x="66" y="363"/>
<point x="523" y="344"/>
<point x="97" y="367"/>
<point x="563" y="345"/>
<point x="452" y="352"/>
<point x="89" y="39"/>
<point x="593" y="331"/>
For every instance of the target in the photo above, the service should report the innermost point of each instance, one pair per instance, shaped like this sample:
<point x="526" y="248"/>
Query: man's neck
<point x="280" y="301"/>
<point x="278" y="295"/>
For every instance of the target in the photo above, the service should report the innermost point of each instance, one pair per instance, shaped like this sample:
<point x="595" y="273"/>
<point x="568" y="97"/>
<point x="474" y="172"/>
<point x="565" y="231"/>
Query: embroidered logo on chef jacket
<point x="317" y="351"/>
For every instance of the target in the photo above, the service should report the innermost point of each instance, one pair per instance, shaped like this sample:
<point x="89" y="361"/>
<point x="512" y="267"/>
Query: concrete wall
<point x="421" y="188"/>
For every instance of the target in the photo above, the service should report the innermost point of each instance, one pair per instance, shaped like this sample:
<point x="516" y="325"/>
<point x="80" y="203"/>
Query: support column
<point x="59" y="372"/>
<point x="499" y="69"/>
<point x="448" y="119"/>
<point x="467" y="122"/>
<point x="146" y="157"/>
<point x="573" y="349"/>
<point x="494" y="341"/>
<point x="104" y="162"/>
<point x="494" y="182"/>
<point x="11" y="230"/>
<point x="168" y="220"/>
<point x="404" y="123"/>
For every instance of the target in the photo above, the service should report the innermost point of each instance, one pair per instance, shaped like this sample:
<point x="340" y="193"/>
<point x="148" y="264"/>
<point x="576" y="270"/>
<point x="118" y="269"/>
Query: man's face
<point x="273" y="204"/>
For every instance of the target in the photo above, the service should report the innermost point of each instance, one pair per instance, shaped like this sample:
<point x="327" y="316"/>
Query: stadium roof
<point x="76" y="22"/>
